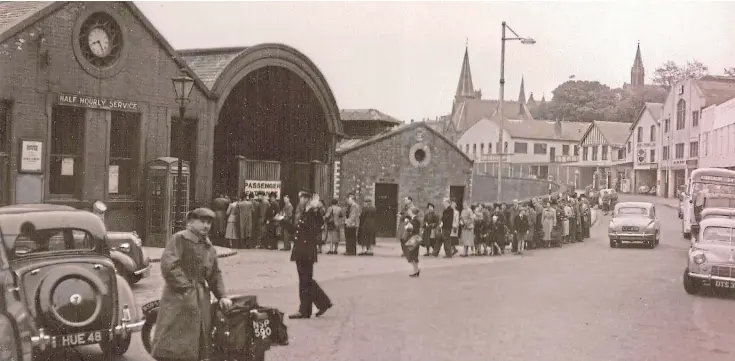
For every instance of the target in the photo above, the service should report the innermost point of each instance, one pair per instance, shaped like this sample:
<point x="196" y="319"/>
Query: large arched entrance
<point x="276" y="120"/>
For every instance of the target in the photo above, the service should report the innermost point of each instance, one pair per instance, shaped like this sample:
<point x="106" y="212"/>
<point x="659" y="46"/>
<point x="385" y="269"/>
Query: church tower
<point x="465" y="88"/>
<point x="637" y="72"/>
<point x="522" y="97"/>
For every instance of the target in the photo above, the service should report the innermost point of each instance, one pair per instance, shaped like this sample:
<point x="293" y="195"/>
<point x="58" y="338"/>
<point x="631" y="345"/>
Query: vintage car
<point x="712" y="257"/>
<point x="60" y="283"/>
<point x="131" y="260"/>
<point x="634" y="222"/>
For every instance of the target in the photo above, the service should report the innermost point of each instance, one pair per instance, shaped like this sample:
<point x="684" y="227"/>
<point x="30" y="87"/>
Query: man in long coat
<point x="245" y="221"/>
<point x="287" y="224"/>
<point x="304" y="254"/>
<point x="190" y="271"/>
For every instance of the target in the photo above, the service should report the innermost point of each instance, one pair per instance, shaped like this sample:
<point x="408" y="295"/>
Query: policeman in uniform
<point x="308" y="229"/>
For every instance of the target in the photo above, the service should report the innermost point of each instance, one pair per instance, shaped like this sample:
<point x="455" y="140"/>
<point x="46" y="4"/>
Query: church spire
<point x="637" y="71"/>
<point x="522" y="94"/>
<point x="465" y="88"/>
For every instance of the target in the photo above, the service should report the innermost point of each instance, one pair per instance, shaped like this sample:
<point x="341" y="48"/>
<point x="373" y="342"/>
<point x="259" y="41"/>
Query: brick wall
<point x="145" y="77"/>
<point x="485" y="188"/>
<point x="389" y="159"/>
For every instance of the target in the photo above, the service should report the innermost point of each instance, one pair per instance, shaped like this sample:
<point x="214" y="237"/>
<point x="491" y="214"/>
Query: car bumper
<point x="42" y="341"/>
<point x="143" y="272"/>
<point x="631" y="237"/>
<point x="708" y="277"/>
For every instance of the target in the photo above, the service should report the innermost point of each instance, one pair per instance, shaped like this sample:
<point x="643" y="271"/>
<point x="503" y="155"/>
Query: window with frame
<point x="594" y="152"/>
<point x="640" y="135"/>
<point x="679" y="151"/>
<point x="604" y="152"/>
<point x="585" y="153"/>
<point x="467" y="149"/>
<point x="564" y="150"/>
<point x="124" y="141"/>
<point x="695" y="118"/>
<point x="482" y="148"/>
<point x="489" y="148"/>
<point x="539" y="148"/>
<point x="652" y="156"/>
<point x="652" y="137"/>
<point x="505" y="148"/>
<point x="693" y="149"/>
<point x="705" y="144"/>
<point x="621" y="154"/>
<point x="474" y="150"/>
<point x="576" y="150"/>
<point x="67" y="151"/>
<point x="628" y="146"/>
<point x="520" y="147"/>
<point x="665" y="152"/>
<point x="681" y="113"/>
<point x="667" y="125"/>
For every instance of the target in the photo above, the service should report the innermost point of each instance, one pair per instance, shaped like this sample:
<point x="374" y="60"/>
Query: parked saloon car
<point x="634" y="222"/>
<point x="131" y="260"/>
<point x="60" y="285"/>
<point x="712" y="256"/>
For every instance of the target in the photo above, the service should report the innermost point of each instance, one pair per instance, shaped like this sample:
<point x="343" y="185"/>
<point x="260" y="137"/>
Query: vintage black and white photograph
<point x="367" y="180"/>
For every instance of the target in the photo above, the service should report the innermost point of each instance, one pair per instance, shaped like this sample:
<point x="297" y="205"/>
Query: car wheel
<point x="613" y="244"/>
<point x="118" y="346"/>
<point x="691" y="285"/>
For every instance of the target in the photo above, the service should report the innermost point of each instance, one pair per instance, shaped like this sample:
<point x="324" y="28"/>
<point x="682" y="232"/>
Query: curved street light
<point x="183" y="85"/>
<point x="523" y="40"/>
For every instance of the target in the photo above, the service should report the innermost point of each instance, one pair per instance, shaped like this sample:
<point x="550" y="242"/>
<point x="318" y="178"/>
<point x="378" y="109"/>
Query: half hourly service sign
<point x="97" y="103"/>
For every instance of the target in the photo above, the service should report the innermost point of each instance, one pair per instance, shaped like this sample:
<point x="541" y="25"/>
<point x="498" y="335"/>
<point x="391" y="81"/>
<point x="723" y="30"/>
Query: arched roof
<point x="221" y="69"/>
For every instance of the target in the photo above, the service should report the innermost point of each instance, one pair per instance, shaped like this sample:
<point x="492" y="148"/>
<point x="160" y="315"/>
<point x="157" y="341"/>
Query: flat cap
<point x="200" y="213"/>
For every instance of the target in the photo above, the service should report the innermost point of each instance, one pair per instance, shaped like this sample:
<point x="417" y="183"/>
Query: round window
<point x="419" y="155"/>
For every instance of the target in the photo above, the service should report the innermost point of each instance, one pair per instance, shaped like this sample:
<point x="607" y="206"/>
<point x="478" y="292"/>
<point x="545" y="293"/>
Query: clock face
<point x="99" y="42"/>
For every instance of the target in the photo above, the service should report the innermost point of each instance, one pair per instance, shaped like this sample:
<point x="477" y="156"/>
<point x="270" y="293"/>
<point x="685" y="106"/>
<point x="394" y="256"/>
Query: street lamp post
<point x="501" y="147"/>
<point x="182" y="86"/>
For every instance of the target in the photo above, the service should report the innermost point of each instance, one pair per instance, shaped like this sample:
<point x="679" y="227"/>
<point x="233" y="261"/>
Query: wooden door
<point x="386" y="203"/>
<point x="457" y="194"/>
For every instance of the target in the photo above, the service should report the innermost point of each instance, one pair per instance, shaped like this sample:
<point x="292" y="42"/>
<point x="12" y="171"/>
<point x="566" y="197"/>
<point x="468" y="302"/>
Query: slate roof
<point x="470" y="111"/>
<point x="616" y="133"/>
<point x="354" y="144"/>
<point x="656" y="109"/>
<point x="546" y="130"/>
<point x="716" y="89"/>
<point x="15" y="12"/>
<point x="348" y="115"/>
<point x="208" y="64"/>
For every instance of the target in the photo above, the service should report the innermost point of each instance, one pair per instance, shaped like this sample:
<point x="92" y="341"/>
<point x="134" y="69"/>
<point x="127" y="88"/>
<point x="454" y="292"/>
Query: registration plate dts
<point x="725" y="284"/>
<point x="77" y="339"/>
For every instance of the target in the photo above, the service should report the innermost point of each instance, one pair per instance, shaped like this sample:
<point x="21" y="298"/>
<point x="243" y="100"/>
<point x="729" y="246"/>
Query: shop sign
<point x="646" y="145"/>
<point x="267" y="187"/>
<point x="644" y="166"/>
<point x="97" y="103"/>
<point x="678" y="162"/>
<point x="31" y="156"/>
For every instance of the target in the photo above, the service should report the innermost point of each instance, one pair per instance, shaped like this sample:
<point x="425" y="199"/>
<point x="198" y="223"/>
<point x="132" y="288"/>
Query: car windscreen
<point x="36" y="241"/>
<point x="632" y="212"/>
<point x="718" y="234"/>
<point x="720" y="216"/>
<point x="713" y="188"/>
<point x="719" y="202"/>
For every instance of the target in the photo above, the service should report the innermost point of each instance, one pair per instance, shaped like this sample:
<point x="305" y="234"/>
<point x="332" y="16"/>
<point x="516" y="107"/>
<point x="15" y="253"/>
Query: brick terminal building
<point x="86" y="102"/>
<point x="407" y="160"/>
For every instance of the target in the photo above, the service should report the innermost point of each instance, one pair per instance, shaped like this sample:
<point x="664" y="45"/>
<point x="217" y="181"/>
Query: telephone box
<point x="161" y="192"/>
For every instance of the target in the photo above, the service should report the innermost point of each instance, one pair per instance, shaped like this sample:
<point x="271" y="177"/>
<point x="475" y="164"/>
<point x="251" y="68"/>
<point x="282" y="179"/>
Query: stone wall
<point x="485" y="188"/>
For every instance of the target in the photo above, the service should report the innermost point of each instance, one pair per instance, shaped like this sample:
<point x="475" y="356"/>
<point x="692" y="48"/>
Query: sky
<point x="404" y="58"/>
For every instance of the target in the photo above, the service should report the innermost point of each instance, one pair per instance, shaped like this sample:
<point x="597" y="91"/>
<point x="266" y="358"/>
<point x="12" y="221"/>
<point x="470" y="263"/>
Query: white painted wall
<point x="717" y="144"/>
<point x="644" y="144"/>
<point x="694" y="101"/>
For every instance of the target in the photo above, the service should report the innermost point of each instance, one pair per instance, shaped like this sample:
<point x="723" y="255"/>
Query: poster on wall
<point x="113" y="179"/>
<point x="31" y="156"/>
<point x="67" y="166"/>
<point x="256" y="186"/>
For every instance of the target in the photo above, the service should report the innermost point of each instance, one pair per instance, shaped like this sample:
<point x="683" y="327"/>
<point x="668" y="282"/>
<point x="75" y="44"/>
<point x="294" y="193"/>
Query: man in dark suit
<point x="304" y="254"/>
<point x="287" y="224"/>
<point x="271" y="238"/>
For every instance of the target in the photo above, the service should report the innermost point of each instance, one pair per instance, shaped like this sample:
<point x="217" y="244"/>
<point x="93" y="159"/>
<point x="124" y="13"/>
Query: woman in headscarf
<point x="467" y="222"/>
<point x="412" y="228"/>
<point x="548" y="219"/>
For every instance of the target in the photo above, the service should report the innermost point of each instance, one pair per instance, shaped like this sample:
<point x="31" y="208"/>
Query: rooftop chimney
<point x="557" y="127"/>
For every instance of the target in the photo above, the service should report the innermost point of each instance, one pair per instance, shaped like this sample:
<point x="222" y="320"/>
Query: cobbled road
<point x="583" y="302"/>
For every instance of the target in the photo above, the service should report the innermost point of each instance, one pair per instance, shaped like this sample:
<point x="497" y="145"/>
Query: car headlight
<point x="610" y="228"/>
<point x="699" y="258"/>
<point x="125" y="247"/>
<point x="136" y="239"/>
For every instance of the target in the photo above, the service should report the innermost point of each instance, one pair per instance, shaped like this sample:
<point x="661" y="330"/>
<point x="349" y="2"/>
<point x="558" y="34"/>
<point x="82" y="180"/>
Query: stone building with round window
<point x="406" y="160"/>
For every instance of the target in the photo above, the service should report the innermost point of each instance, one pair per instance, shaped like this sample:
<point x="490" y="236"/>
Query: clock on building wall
<point x="100" y="41"/>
